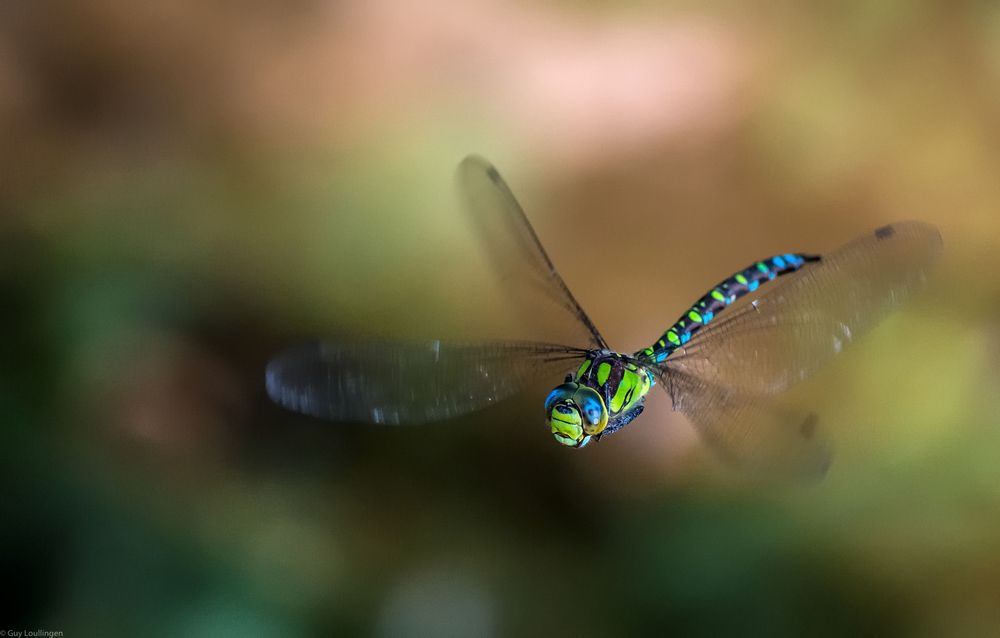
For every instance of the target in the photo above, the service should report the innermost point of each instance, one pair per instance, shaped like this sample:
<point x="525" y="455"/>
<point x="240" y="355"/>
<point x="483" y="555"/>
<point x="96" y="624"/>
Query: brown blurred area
<point x="188" y="187"/>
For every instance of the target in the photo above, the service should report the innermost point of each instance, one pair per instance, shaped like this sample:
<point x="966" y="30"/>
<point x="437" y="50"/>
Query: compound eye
<point x="593" y="411"/>
<point x="560" y="393"/>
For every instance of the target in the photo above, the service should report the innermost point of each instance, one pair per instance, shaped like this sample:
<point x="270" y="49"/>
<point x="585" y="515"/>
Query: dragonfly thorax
<point x="606" y="392"/>
<point x="621" y="384"/>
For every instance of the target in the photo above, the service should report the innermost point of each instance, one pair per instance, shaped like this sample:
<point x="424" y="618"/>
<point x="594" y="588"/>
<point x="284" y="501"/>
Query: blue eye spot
<point x="549" y="400"/>
<point x="592" y="410"/>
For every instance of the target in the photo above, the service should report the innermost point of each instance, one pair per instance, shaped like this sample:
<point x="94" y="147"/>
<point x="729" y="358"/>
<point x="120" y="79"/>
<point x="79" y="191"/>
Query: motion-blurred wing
<point x="750" y="431"/>
<point x="792" y="328"/>
<point x="518" y="256"/>
<point x="409" y="383"/>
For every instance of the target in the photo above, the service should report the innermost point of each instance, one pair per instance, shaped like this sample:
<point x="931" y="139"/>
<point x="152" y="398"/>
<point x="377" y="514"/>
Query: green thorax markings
<point x="622" y="384"/>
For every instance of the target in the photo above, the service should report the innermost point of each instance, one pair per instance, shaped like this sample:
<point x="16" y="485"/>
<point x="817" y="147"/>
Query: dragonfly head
<point x="575" y="413"/>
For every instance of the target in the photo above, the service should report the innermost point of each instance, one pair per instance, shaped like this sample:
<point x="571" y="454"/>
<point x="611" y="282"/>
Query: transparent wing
<point x="409" y="383"/>
<point x="519" y="258"/>
<point x="751" y="431"/>
<point x="724" y="380"/>
<point x="789" y="330"/>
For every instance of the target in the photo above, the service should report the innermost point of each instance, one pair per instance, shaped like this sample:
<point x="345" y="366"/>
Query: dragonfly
<point x="723" y="363"/>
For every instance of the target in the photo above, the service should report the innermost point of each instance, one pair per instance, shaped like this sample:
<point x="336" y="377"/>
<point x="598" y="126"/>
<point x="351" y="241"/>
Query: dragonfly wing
<point x="409" y="383"/>
<point x="751" y="431"/>
<point x="788" y="331"/>
<point x="518" y="256"/>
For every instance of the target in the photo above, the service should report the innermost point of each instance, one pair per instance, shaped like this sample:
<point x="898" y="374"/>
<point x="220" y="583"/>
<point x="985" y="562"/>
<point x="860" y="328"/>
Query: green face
<point x="575" y="413"/>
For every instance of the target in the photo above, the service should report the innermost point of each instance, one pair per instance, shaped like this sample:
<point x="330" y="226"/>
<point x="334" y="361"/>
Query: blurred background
<point x="189" y="187"/>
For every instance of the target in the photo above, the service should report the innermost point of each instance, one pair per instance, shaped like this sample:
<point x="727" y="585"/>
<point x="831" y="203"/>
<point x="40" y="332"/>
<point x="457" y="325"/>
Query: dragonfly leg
<point x="622" y="421"/>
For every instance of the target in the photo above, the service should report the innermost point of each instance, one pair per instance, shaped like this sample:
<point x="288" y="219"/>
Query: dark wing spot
<point x="808" y="427"/>
<point x="884" y="232"/>
<point x="491" y="171"/>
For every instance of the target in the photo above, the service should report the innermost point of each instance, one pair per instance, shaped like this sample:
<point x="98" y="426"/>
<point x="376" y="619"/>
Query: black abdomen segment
<point x="716" y="300"/>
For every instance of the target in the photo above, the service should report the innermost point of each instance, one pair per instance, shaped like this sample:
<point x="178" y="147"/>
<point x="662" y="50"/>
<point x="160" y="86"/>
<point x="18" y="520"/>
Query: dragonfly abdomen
<point x="718" y="298"/>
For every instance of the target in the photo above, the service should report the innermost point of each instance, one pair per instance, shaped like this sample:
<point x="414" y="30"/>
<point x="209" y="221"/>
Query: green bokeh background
<point x="188" y="187"/>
